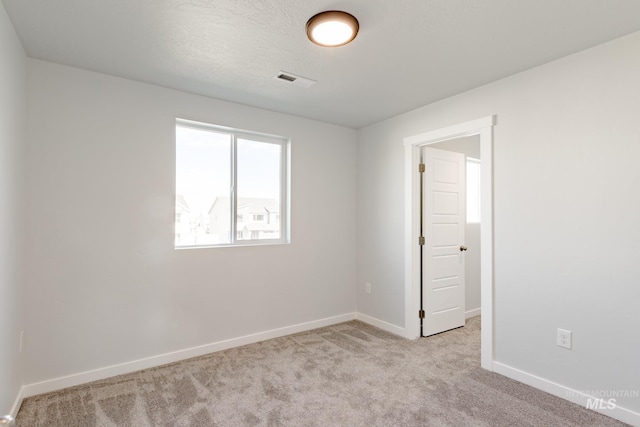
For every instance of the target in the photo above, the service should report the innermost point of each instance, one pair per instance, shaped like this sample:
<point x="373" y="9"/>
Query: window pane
<point x="203" y="183"/>
<point x="473" y="191"/>
<point x="230" y="186"/>
<point x="258" y="190"/>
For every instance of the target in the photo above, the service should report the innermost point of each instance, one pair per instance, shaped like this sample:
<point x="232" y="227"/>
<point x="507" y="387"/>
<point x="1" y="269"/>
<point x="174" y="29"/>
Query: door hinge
<point x="421" y="314"/>
<point x="421" y="168"/>
<point x="421" y="240"/>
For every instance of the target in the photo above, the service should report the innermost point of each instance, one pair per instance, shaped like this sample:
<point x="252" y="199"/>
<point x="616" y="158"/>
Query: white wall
<point x="566" y="203"/>
<point x="469" y="146"/>
<point x="12" y="122"/>
<point x="104" y="283"/>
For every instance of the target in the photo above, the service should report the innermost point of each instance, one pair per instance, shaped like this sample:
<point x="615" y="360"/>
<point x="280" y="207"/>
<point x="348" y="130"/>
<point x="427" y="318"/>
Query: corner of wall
<point x="13" y="86"/>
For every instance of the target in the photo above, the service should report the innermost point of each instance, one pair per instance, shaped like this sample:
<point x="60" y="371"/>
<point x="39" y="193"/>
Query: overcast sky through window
<point x="203" y="168"/>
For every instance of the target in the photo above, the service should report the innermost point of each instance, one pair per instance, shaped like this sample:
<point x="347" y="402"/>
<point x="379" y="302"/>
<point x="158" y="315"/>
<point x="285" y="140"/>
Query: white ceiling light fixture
<point x="332" y="28"/>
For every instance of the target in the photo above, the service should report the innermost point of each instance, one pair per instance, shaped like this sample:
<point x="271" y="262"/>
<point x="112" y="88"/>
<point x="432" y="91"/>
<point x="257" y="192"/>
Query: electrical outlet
<point x="367" y="288"/>
<point x="564" y="338"/>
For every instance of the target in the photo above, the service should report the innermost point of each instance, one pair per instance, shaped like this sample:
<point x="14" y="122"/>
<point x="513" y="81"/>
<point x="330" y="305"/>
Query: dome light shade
<point x="332" y="28"/>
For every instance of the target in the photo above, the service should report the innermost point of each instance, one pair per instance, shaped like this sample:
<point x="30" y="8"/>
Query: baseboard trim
<point x="381" y="324"/>
<point x="176" y="356"/>
<point x="619" y="413"/>
<point x="17" y="403"/>
<point x="472" y="313"/>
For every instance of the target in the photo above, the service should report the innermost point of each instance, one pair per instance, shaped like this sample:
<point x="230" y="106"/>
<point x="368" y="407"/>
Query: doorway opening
<point x="482" y="129"/>
<point x="450" y="250"/>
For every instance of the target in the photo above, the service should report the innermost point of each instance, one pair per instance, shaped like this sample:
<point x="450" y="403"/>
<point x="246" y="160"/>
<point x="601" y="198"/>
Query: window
<point x="228" y="182"/>
<point x="473" y="190"/>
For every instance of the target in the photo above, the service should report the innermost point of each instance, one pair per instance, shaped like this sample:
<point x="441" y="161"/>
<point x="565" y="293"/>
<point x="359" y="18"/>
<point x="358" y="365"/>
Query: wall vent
<point x="291" y="78"/>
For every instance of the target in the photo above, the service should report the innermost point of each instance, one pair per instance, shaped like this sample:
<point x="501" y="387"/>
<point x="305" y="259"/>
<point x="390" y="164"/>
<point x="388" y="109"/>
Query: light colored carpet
<point x="349" y="374"/>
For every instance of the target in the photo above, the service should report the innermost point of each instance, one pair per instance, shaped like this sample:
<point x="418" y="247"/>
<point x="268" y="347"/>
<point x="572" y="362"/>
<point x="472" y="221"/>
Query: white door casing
<point x="444" y="212"/>
<point x="483" y="127"/>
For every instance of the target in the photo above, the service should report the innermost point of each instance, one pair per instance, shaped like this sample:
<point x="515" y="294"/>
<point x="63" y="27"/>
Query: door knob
<point x="463" y="248"/>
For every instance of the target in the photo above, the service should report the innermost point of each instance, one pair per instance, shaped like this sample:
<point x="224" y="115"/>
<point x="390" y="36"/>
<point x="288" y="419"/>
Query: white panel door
<point x="444" y="211"/>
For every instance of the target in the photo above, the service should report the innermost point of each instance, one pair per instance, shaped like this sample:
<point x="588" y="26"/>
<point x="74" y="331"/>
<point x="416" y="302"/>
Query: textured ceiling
<point x="408" y="53"/>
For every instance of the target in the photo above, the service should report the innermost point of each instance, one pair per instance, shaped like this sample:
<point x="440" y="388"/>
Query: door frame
<point x="484" y="128"/>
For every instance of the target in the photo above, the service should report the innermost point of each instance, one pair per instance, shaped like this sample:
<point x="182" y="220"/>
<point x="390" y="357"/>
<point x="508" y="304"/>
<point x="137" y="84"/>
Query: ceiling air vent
<point x="294" y="79"/>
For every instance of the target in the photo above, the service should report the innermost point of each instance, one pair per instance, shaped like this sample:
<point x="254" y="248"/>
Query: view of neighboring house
<point x="256" y="218"/>
<point x="192" y="227"/>
<point x="183" y="219"/>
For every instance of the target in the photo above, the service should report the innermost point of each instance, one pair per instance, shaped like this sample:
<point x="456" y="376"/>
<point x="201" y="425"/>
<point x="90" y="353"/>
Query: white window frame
<point x="285" y="187"/>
